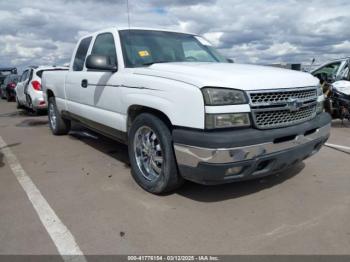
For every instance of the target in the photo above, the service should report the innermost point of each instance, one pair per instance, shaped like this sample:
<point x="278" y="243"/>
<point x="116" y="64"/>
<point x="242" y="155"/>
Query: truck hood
<point x="237" y="76"/>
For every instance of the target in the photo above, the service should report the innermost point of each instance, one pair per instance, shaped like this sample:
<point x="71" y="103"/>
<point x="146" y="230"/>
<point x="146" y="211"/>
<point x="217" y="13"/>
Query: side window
<point x="24" y="75"/>
<point x="104" y="45"/>
<point x="30" y="74"/>
<point x="344" y="74"/>
<point x="80" y="56"/>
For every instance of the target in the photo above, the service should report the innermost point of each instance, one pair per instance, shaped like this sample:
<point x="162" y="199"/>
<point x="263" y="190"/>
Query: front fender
<point x="185" y="111"/>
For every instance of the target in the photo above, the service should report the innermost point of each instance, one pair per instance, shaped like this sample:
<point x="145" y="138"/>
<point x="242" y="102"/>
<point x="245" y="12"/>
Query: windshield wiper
<point x="156" y="62"/>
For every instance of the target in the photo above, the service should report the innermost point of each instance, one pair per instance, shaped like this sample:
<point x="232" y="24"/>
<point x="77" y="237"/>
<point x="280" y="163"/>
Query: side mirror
<point x="100" y="62"/>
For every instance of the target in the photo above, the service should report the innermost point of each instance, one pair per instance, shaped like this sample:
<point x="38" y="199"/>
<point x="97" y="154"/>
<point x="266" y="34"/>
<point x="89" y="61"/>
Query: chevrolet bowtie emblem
<point x="294" y="104"/>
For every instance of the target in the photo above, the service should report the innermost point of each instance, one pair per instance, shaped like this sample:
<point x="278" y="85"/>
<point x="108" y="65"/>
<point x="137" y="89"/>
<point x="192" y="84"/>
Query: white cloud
<point x="45" y="32"/>
<point x="214" y="37"/>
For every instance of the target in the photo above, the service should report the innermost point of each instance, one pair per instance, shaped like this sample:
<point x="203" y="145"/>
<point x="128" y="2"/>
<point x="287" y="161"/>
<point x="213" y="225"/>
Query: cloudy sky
<point x="262" y="31"/>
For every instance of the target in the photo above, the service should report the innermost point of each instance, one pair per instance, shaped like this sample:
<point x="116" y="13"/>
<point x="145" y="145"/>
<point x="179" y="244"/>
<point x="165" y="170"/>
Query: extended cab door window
<point x="104" y="45"/>
<point x="79" y="60"/>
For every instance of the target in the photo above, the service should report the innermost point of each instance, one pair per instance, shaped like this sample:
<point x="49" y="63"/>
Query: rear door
<point x="100" y="98"/>
<point x="28" y="81"/>
<point x="20" y="87"/>
<point x="75" y="76"/>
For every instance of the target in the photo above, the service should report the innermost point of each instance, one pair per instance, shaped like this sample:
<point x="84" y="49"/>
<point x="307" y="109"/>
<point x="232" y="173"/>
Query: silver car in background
<point x="29" y="94"/>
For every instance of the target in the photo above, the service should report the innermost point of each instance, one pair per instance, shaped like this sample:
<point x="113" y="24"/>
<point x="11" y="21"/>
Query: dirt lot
<point x="85" y="178"/>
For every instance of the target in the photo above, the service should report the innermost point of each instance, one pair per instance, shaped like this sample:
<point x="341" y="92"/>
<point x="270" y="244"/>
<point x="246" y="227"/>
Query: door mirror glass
<point x="100" y="62"/>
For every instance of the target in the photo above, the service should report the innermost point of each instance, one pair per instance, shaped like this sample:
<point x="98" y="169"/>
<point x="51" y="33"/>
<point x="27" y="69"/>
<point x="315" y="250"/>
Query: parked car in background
<point x="333" y="71"/>
<point x="28" y="90"/>
<point x="8" y="87"/>
<point x="4" y="72"/>
<point x="335" y="79"/>
<point x="184" y="111"/>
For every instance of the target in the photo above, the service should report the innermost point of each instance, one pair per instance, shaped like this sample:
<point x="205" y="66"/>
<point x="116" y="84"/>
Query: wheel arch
<point x="49" y="93"/>
<point x="135" y="110"/>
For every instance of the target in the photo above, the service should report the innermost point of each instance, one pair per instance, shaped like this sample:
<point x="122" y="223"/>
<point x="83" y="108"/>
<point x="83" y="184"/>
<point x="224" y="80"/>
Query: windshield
<point x="145" y="47"/>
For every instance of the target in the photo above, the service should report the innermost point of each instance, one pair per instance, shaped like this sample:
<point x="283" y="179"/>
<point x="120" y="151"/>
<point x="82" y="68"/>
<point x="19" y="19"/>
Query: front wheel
<point x="151" y="154"/>
<point x="58" y="125"/>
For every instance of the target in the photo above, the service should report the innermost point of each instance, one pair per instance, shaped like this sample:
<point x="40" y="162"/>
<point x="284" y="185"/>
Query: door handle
<point x="84" y="83"/>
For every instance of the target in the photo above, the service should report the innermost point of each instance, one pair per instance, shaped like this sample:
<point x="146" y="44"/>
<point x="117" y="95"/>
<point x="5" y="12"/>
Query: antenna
<point x="312" y="63"/>
<point x="127" y="8"/>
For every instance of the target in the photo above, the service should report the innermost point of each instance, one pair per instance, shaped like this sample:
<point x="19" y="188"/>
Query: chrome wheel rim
<point x="52" y="114"/>
<point x="148" y="153"/>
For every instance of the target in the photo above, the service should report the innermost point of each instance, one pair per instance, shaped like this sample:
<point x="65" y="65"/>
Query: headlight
<point x="223" y="96"/>
<point x="226" y="120"/>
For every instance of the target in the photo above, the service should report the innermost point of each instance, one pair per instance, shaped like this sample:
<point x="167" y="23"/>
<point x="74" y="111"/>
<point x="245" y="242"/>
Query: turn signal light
<point x="36" y="85"/>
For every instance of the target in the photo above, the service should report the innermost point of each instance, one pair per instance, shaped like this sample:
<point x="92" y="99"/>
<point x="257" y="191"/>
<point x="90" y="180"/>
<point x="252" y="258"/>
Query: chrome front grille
<point x="281" y="118"/>
<point x="266" y="98"/>
<point x="281" y="108"/>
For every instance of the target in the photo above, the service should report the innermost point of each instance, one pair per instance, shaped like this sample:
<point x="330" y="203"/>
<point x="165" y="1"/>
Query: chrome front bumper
<point x="191" y="156"/>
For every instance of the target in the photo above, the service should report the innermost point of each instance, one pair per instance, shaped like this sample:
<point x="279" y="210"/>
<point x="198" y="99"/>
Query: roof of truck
<point x="135" y="28"/>
<point x="154" y="29"/>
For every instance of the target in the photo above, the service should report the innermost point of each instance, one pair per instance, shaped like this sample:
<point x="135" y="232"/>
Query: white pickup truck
<point x="184" y="110"/>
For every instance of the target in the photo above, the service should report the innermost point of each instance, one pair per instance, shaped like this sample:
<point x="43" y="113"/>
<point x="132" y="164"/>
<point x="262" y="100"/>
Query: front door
<point x="100" y="92"/>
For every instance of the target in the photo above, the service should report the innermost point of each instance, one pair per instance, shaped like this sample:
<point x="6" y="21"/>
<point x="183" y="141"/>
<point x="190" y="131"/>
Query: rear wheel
<point x="58" y="125"/>
<point x="151" y="154"/>
<point x="19" y="105"/>
<point x="29" y="104"/>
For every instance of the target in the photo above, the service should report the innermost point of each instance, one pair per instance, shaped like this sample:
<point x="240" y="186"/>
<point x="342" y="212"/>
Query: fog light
<point x="233" y="171"/>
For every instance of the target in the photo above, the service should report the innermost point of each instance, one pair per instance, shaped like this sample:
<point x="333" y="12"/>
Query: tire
<point x="19" y="106"/>
<point x="29" y="104"/>
<point x="58" y="125"/>
<point x="168" y="178"/>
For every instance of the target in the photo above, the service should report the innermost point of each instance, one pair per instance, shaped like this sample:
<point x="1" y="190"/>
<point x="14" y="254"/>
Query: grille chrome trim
<point x="272" y="108"/>
<point x="282" y="118"/>
<point x="299" y="93"/>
